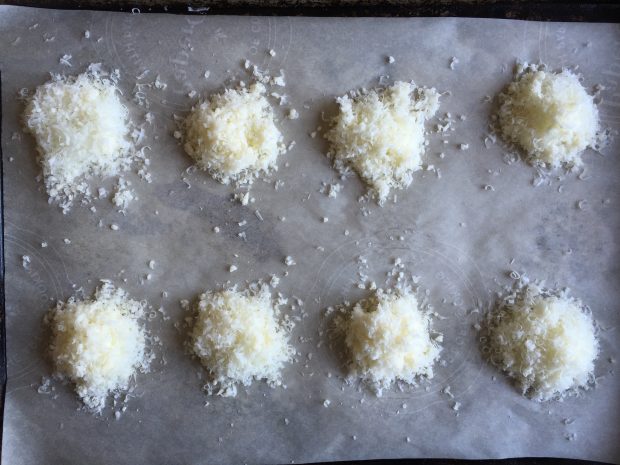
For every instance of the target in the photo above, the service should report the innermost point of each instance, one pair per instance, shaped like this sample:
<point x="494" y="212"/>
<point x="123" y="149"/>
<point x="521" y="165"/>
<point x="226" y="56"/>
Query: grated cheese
<point x="123" y="194"/>
<point x="545" y="340"/>
<point x="548" y="115"/>
<point x="238" y="339"/>
<point x="388" y="338"/>
<point x="99" y="344"/>
<point x="82" y="130"/>
<point x="380" y="134"/>
<point x="233" y="135"/>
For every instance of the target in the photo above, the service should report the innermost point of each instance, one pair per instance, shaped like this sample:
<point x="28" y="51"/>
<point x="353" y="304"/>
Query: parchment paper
<point x="460" y="239"/>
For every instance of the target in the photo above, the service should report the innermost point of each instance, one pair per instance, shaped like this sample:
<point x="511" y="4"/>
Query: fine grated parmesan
<point x="99" y="344"/>
<point x="543" y="339"/>
<point x="237" y="337"/>
<point x="233" y="135"/>
<point x="388" y="339"/>
<point x="380" y="134"/>
<point x="549" y="116"/>
<point x="82" y="130"/>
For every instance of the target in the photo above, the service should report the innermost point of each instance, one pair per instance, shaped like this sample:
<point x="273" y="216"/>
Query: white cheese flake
<point x="292" y="114"/>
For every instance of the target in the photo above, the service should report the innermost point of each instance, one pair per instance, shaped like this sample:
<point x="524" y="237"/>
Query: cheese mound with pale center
<point x="82" y="130"/>
<point x="233" y="135"/>
<point x="380" y="134"/>
<point x="547" y="343"/>
<point x="388" y="338"/>
<point x="238" y="339"/>
<point x="548" y="115"/>
<point x="99" y="344"/>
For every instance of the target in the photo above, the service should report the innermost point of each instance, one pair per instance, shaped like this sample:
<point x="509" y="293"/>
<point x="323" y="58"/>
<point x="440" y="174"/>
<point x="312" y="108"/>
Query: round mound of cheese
<point x="238" y="339"/>
<point x="233" y="135"/>
<point x="547" y="343"/>
<point x="548" y="115"/>
<point x="99" y="344"/>
<point x="388" y="338"/>
<point x="81" y="130"/>
<point x="380" y="134"/>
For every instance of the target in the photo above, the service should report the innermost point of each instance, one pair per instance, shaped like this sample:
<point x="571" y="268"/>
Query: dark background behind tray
<point x="542" y="10"/>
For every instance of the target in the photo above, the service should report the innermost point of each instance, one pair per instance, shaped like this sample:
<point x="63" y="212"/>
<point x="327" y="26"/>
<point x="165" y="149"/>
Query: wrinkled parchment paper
<point x="461" y="239"/>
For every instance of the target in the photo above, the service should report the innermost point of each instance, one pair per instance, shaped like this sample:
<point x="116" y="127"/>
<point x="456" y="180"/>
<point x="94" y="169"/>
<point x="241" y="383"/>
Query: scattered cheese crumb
<point x="545" y="340"/>
<point x="380" y="134"/>
<point x="123" y="195"/>
<point x="548" y="115"/>
<point x="233" y="135"/>
<point x="238" y="339"/>
<point x="292" y="114"/>
<point x="99" y="344"/>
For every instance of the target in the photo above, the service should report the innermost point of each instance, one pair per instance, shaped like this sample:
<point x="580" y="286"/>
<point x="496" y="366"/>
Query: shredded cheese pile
<point x="99" y="344"/>
<point x="380" y="134"/>
<point x="388" y="339"/>
<point x="233" y="135"/>
<point x="550" y="116"/>
<point x="238" y="338"/>
<point x="546" y="342"/>
<point x="82" y="130"/>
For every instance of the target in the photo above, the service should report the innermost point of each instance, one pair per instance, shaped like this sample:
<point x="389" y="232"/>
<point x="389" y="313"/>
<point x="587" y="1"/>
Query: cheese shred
<point x="82" y="130"/>
<point x="545" y="340"/>
<point x="233" y="135"/>
<point x="388" y="339"/>
<point x="99" y="344"/>
<point x="238" y="339"/>
<point x="380" y="134"/>
<point x="549" y="116"/>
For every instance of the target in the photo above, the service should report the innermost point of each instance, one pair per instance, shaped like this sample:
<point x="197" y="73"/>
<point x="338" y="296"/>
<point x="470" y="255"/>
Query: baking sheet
<point x="460" y="239"/>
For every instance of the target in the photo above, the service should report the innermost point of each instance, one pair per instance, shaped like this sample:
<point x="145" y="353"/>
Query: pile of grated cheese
<point x="549" y="116"/>
<point x="388" y="338"/>
<point x="99" y="344"/>
<point x="380" y="134"/>
<point x="233" y="135"/>
<point x="545" y="341"/>
<point x="238" y="339"/>
<point x="82" y="130"/>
